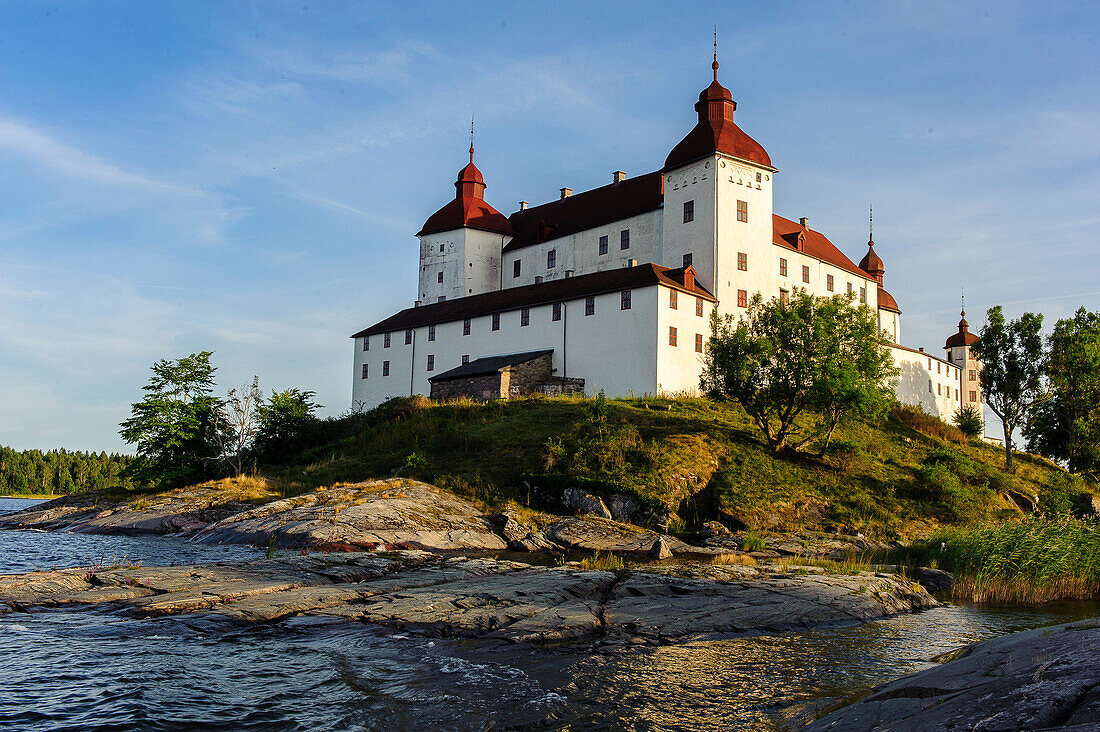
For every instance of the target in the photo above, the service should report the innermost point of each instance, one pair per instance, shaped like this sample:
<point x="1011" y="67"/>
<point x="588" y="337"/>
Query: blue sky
<point x="248" y="177"/>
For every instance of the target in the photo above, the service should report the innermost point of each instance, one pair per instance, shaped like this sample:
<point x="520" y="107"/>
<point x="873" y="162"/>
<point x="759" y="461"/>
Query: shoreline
<point x="35" y="496"/>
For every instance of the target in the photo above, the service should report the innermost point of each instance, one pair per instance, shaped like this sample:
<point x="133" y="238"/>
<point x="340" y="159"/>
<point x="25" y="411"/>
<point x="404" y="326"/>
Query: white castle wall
<point x="928" y="382"/>
<point x="468" y="258"/>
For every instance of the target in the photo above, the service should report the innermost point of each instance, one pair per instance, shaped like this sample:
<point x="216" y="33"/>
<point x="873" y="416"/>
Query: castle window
<point x="624" y="300"/>
<point x="972" y="376"/>
<point x="929" y="365"/>
<point x="757" y="177"/>
<point x="672" y="300"/>
<point x="782" y="267"/>
<point x="386" y="341"/>
<point x="930" y="386"/>
<point x="805" y="273"/>
<point x="408" y="336"/>
<point x="689" y="211"/>
<point x="742" y="298"/>
<point x="829" y="283"/>
<point x="496" y="321"/>
<point x="439" y="277"/>
<point x="465" y="359"/>
<point x="385" y="368"/>
<point x="939" y="389"/>
<point x="743" y="211"/>
<point x="441" y="298"/>
<point x="366" y="343"/>
<point x="973" y="396"/>
<point x="551" y="259"/>
<point x="525" y="317"/>
<point x="699" y="306"/>
<point x="515" y="268"/>
<point x="589" y="306"/>
<point x="556" y="312"/>
<point x="431" y="332"/>
<point x="938" y="367"/>
<point x="603" y="245"/>
<point x="364" y="371"/>
<point x="863" y="294"/>
<point x="431" y="362"/>
<point x="784" y="296"/>
<point x="849" y="288"/>
<point x="698" y="342"/>
<point x="624" y="239"/>
<point x="671" y="336"/>
<point x="687" y="260"/>
<point x="440" y="248"/>
<point x="743" y="261"/>
<point x="466" y="327"/>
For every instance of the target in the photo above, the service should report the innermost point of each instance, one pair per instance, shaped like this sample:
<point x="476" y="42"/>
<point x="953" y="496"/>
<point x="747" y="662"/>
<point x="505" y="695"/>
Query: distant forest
<point x="58" y="471"/>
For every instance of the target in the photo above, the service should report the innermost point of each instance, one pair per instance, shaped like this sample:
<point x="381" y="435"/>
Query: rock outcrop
<point x="475" y="598"/>
<point x="1043" y="679"/>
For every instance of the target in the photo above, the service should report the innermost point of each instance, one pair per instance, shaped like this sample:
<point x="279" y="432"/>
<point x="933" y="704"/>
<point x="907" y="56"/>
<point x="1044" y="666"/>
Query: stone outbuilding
<point x="503" y="377"/>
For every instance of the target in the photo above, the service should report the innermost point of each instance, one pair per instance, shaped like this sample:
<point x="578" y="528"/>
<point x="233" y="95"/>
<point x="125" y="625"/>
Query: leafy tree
<point x="283" y="420"/>
<point x="969" y="420"/>
<point x="1067" y="426"/>
<point x="173" y="426"/>
<point x="800" y="368"/>
<point x="1012" y="367"/>
<point x="236" y="423"/>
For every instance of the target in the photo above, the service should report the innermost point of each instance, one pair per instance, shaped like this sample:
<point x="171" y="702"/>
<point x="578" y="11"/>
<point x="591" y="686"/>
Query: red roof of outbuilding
<point x="716" y="132"/>
<point x="787" y="233"/>
<point x="468" y="209"/>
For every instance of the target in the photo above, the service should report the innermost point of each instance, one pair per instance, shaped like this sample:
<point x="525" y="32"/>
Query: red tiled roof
<point x="583" y="211"/>
<point x="964" y="337"/>
<point x="543" y="293"/>
<point x="716" y="132"/>
<point x="468" y="209"/>
<point x="886" y="301"/>
<point x="872" y="263"/>
<point x="786" y="233"/>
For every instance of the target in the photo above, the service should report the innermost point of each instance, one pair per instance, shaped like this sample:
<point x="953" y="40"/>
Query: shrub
<point x="753" y="542"/>
<point x="603" y="562"/>
<point x="969" y="420"/>
<point x="919" y="420"/>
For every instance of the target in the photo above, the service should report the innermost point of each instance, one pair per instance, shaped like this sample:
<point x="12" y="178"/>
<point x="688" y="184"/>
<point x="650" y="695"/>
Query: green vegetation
<point x="801" y="367"/>
<point x="33" y="472"/>
<point x="969" y="420"/>
<point x="606" y="562"/>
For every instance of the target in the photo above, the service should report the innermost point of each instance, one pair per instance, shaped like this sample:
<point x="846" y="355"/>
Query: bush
<point x="969" y="420"/>
<point x="923" y="422"/>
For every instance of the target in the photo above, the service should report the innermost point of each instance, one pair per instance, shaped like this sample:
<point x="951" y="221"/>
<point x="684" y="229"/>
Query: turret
<point x="889" y="315"/>
<point x="960" y="352"/>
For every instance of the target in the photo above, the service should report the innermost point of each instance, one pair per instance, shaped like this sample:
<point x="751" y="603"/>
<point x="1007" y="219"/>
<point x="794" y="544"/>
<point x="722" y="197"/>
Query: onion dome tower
<point x="715" y="131"/>
<point x="960" y="352"/>
<point x="469" y="208"/>
<point x="889" y="315"/>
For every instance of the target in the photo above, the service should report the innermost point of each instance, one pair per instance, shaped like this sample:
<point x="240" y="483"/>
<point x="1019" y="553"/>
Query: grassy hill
<point x="703" y="460"/>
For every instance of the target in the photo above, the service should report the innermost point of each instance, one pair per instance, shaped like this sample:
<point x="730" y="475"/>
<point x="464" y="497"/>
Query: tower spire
<point x="871" y="225"/>
<point x="714" y="64"/>
<point x="471" y="138"/>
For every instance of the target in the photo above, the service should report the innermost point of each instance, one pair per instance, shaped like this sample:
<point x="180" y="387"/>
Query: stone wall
<point x="486" y="387"/>
<point x="521" y="378"/>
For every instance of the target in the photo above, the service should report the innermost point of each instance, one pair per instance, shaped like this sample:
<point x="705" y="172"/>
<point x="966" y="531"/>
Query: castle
<point x="610" y="289"/>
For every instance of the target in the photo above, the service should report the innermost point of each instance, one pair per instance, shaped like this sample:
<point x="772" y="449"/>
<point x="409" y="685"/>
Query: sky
<point x="248" y="177"/>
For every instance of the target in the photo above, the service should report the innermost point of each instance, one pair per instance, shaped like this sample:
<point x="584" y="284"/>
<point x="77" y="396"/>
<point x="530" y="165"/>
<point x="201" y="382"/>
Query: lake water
<point x="97" y="670"/>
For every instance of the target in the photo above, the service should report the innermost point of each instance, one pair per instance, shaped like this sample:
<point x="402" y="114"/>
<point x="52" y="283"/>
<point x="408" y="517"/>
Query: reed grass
<point x="606" y="562"/>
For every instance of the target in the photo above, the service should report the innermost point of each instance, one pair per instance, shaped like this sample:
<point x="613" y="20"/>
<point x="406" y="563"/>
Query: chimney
<point x="617" y="177"/>
<point x="921" y="349"/>
<point x="523" y="205"/>
<point x="632" y="263"/>
<point x="538" y="279"/>
<point x="566" y="193"/>
<point x="689" y="278"/>
<point x="568" y="273"/>
<point x="416" y="304"/>
<point x="805" y="222"/>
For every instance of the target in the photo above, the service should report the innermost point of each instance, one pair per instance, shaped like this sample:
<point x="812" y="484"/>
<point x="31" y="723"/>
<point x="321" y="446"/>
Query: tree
<point x="969" y="420"/>
<point x="173" y="426"/>
<point x="283" y="420"/>
<point x="802" y="367"/>
<point x="1012" y="368"/>
<point x="1067" y="426"/>
<point x="236" y="424"/>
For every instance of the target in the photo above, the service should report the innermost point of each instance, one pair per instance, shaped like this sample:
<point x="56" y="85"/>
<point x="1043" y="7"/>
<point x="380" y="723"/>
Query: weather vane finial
<point x="471" y="138"/>
<point x="871" y="224"/>
<point x="964" y="302"/>
<point x="714" y="65"/>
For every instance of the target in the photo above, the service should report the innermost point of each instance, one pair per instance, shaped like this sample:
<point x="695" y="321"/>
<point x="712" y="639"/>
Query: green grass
<point x="701" y="459"/>
<point x="1032" y="561"/>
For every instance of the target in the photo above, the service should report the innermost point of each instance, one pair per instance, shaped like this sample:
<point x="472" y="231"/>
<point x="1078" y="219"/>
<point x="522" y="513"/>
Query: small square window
<point x="743" y="261"/>
<point x="784" y="296"/>
<point x="385" y="368"/>
<point x="431" y="332"/>
<point x="515" y="268"/>
<point x="466" y="327"/>
<point x="441" y="298"/>
<point x="805" y="273"/>
<point x="408" y="336"/>
<point x="603" y="245"/>
<point x="687" y="260"/>
<point x="589" y="306"/>
<point x="555" y="313"/>
<point x="757" y="177"/>
<point x="439" y="277"/>
<point x="525" y="317"/>
<point x="699" y="306"/>
<point x="364" y="371"/>
<point x="496" y="321"/>
<point x="465" y="359"/>
<point x="624" y="239"/>
<point x="829" y="283"/>
<point x="743" y="211"/>
<point x="386" y="341"/>
<point x="689" y="211"/>
<point x="366" y="343"/>
<point x="782" y="267"/>
<point x="552" y="259"/>
<point x="431" y="362"/>
<point x="671" y="336"/>
<point x="672" y="299"/>
<point x="698" y="342"/>
<point x="624" y="300"/>
<point x="440" y="248"/>
<point x="742" y="298"/>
